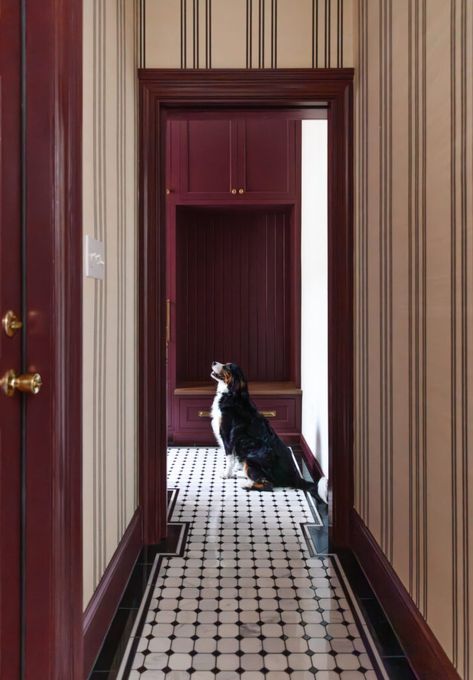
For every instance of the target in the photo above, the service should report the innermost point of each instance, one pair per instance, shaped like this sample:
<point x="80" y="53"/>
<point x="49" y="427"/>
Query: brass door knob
<point x="241" y="191"/>
<point x="11" y="323"/>
<point x="234" y="191"/>
<point x="27" y="382"/>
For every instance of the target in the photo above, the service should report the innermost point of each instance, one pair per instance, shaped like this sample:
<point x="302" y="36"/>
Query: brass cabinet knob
<point x="11" y="323"/>
<point x="168" y="191"/>
<point x="26" y="382"/>
<point x="234" y="191"/>
<point x="241" y="191"/>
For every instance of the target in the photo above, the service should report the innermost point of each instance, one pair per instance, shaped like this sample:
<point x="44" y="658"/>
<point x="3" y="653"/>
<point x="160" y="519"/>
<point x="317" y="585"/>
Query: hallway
<point x="246" y="597"/>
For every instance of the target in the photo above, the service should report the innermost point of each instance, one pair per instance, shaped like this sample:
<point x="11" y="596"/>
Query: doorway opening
<point x="271" y="200"/>
<point x="246" y="277"/>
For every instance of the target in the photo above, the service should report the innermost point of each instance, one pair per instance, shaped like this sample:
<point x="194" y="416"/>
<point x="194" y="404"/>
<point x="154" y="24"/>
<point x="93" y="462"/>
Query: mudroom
<point x="233" y="224"/>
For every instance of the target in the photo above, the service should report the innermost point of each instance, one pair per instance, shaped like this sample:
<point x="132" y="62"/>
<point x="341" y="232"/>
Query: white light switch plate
<point x="94" y="253"/>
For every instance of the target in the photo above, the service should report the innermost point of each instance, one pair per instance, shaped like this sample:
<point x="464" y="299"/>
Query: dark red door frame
<point x="53" y="202"/>
<point x="161" y="89"/>
<point x="10" y="347"/>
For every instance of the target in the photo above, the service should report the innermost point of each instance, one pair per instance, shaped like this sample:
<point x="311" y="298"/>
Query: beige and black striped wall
<point x="246" y="33"/>
<point x="110" y="310"/>
<point x="414" y="319"/>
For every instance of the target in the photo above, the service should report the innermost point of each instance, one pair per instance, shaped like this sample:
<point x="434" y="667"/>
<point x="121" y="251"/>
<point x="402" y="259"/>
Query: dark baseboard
<point x="421" y="647"/>
<point x="101" y="608"/>
<point x="310" y="460"/>
<point x="205" y="439"/>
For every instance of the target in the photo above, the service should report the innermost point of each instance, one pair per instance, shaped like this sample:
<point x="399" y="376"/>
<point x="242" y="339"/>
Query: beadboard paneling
<point x="233" y="292"/>
<point x="414" y="219"/>
<point x="109" y="311"/>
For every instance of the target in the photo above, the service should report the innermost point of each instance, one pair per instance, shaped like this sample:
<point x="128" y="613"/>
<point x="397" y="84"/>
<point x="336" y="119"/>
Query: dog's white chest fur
<point x="217" y="414"/>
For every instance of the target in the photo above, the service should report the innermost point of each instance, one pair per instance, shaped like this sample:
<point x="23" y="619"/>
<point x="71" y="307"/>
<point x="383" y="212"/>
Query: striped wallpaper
<point x="246" y="33"/>
<point x="414" y="276"/>
<point x="109" y="311"/>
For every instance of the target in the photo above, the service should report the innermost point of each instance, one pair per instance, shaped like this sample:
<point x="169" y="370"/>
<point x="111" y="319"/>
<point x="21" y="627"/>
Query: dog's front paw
<point x="228" y="475"/>
<point x="258" y="486"/>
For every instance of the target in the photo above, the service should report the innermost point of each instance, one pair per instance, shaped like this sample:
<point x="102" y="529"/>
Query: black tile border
<point x="177" y="551"/>
<point x="320" y="534"/>
<point x="383" y="634"/>
<point x="114" y="648"/>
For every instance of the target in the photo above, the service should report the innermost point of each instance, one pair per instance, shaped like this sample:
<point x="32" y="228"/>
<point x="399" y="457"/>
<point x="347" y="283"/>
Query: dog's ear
<point x="238" y="384"/>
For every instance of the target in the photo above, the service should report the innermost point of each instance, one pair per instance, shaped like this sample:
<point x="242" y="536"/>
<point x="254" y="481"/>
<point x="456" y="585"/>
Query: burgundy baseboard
<point x="290" y="438"/>
<point x="422" y="648"/>
<point x="103" y="605"/>
<point x="310" y="460"/>
<point x="199" y="438"/>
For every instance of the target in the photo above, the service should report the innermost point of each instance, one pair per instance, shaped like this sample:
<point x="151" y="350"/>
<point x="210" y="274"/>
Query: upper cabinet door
<point x="267" y="157"/>
<point x="208" y="158"/>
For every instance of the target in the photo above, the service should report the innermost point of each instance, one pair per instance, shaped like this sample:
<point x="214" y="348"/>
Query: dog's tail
<point x="311" y="488"/>
<point x="305" y="485"/>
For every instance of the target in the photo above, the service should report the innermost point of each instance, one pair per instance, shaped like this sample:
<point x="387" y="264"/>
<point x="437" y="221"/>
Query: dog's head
<point x="229" y="375"/>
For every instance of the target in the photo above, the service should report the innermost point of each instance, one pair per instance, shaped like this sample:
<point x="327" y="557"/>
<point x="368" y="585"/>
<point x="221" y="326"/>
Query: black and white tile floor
<point x="247" y="598"/>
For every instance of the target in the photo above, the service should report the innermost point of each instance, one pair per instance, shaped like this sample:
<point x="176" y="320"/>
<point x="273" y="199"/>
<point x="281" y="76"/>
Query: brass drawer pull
<point x="204" y="414"/>
<point x="168" y="321"/>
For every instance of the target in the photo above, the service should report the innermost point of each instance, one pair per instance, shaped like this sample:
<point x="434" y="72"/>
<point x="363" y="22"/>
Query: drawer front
<point x="194" y="413"/>
<point x="194" y="423"/>
<point x="281" y="412"/>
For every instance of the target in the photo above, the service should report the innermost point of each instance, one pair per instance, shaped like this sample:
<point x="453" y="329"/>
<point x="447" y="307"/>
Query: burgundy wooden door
<point x="10" y="347"/>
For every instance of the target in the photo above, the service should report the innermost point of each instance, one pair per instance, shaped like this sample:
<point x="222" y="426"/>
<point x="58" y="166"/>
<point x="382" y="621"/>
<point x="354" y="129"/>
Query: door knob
<point x="234" y="191"/>
<point x="11" y="323"/>
<point x="241" y="191"/>
<point x="26" y="382"/>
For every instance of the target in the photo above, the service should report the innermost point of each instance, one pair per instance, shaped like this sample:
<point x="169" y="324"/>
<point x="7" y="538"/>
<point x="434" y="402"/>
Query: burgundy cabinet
<point x="234" y="158"/>
<point x="267" y="157"/>
<point x="233" y="277"/>
<point x="206" y="155"/>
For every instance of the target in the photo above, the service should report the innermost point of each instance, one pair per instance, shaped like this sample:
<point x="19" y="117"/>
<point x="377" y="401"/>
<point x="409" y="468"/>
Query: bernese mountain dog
<point x="247" y="437"/>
